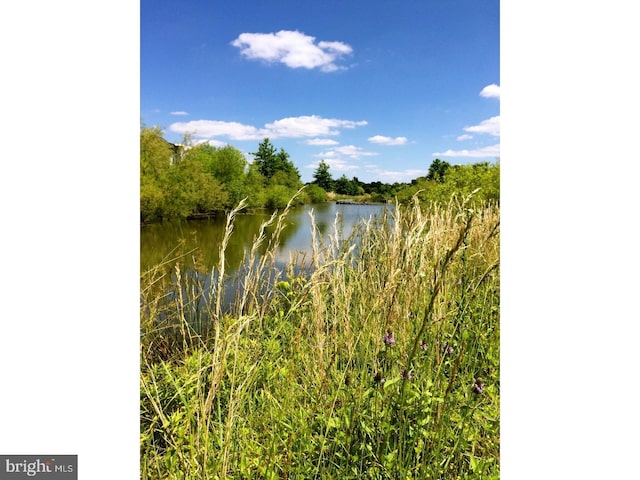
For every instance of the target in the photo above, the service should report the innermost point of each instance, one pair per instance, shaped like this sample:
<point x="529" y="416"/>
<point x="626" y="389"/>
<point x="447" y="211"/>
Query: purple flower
<point x="378" y="378"/>
<point x="407" y="375"/>
<point x="423" y="345"/>
<point x="478" y="386"/>
<point x="448" y="349"/>
<point x="389" y="339"/>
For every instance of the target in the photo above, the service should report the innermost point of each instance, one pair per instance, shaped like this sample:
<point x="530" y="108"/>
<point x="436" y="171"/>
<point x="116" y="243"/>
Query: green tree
<point x="230" y="167"/>
<point x="459" y="180"/>
<point x="344" y="186"/>
<point x="358" y="186"/>
<point x="283" y="164"/>
<point x="155" y="160"/>
<point x="277" y="196"/>
<point x="177" y="181"/>
<point x="265" y="159"/>
<point x="288" y="179"/>
<point x="229" y="164"/>
<point x="322" y="177"/>
<point x="269" y="162"/>
<point x="225" y="164"/>
<point x="253" y="187"/>
<point x="437" y="170"/>
<point x="315" y="194"/>
<point x="192" y="190"/>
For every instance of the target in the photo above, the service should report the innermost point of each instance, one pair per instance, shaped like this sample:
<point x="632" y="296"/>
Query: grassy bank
<point x="381" y="361"/>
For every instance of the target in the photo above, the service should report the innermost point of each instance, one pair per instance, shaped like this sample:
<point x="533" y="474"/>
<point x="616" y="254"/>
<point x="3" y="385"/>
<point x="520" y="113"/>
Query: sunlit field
<point x="378" y="358"/>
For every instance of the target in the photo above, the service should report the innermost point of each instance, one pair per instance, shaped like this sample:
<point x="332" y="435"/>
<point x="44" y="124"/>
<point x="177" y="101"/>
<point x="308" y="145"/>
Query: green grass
<point x="297" y="381"/>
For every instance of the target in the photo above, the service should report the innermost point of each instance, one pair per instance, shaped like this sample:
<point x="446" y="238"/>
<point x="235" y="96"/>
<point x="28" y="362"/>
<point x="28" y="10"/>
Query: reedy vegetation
<point x="378" y="360"/>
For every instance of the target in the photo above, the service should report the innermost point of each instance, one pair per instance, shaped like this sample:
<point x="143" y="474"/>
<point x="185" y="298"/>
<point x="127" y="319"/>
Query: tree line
<point x="439" y="184"/>
<point x="192" y="180"/>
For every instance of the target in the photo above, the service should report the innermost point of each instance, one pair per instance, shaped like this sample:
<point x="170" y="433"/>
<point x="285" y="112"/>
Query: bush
<point x="277" y="196"/>
<point x="315" y="194"/>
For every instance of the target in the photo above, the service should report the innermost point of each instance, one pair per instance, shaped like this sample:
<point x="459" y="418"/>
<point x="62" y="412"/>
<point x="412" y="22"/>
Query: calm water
<point x="200" y="239"/>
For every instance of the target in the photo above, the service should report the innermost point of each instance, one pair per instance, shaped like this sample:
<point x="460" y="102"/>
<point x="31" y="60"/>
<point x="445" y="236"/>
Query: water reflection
<point x="196" y="243"/>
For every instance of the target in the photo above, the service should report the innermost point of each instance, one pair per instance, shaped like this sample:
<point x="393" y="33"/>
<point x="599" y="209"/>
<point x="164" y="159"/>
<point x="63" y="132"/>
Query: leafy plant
<point x="381" y="360"/>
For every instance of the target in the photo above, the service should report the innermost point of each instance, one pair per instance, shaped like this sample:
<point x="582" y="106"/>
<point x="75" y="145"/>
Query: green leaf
<point x="333" y="423"/>
<point x="474" y="463"/>
<point x="388" y="383"/>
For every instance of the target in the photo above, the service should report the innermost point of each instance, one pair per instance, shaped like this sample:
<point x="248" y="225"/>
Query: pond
<point x="196" y="242"/>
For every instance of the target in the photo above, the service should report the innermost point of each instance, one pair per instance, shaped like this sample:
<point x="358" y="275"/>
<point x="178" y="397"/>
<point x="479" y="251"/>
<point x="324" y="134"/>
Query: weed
<point x="380" y="360"/>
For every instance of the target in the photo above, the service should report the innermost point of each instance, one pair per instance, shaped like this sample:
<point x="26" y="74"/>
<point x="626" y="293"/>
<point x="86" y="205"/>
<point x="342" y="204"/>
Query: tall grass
<point x="381" y="360"/>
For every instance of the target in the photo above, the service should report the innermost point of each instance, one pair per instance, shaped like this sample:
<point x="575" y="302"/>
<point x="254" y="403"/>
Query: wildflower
<point x="407" y="375"/>
<point x="423" y="345"/>
<point x="448" y="349"/>
<point x="378" y="378"/>
<point x="389" y="339"/>
<point x="478" y="386"/>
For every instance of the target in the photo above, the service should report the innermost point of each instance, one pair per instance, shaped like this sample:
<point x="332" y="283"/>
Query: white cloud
<point x="179" y="113"/>
<point x="213" y="143"/>
<point x="391" y="176"/>
<point x="490" y="126"/>
<point x="292" y="48"/>
<point x="491" y="91"/>
<point x="339" y="158"/>
<point x="292" y="127"/>
<point x="336" y="165"/>
<point x="339" y="47"/>
<point x="308" y="126"/>
<point x="320" y="142"/>
<point x="350" y="151"/>
<point x="484" y="152"/>
<point x="215" y="128"/>
<point x="382" y="140"/>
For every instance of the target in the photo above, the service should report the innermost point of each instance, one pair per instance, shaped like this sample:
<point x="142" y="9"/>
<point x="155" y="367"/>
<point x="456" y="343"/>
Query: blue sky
<point x="378" y="89"/>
